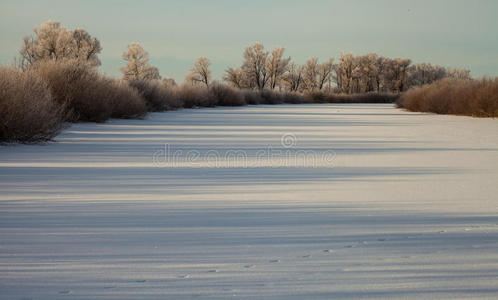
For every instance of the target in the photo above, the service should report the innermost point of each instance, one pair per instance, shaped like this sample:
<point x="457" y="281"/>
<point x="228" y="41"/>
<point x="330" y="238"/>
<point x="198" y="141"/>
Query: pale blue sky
<point x="457" y="33"/>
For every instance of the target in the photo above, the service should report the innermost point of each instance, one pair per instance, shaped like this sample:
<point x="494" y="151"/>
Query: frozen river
<point x="273" y="202"/>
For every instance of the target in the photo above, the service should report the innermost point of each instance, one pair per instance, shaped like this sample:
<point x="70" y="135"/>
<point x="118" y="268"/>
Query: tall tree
<point x="325" y="73"/>
<point x="55" y="42"/>
<point x="200" y="72"/>
<point x="137" y="66"/>
<point x="294" y="77"/>
<point x="235" y="77"/>
<point x="276" y="66"/>
<point x="254" y="65"/>
<point x="310" y="74"/>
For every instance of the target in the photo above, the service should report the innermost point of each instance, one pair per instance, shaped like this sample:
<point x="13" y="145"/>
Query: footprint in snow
<point x="249" y="266"/>
<point x="185" y="276"/>
<point x="306" y="256"/>
<point x="381" y="240"/>
<point x="141" y="280"/>
<point x="275" y="260"/>
<point x="328" y="251"/>
<point x="213" y="271"/>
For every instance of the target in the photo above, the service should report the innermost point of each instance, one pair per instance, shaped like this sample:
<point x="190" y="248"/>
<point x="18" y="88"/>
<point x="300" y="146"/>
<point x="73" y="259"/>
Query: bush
<point x="477" y="98"/>
<point x="293" y="98"/>
<point x="194" y="96"/>
<point x="271" y="97"/>
<point x="324" y="97"/>
<point x="125" y="101"/>
<point x="224" y="95"/>
<point x="79" y="88"/>
<point x="157" y="96"/>
<point x="28" y="112"/>
<point x="251" y="97"/>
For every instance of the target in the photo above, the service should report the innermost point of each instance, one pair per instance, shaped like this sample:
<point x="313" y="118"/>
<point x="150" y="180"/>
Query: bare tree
<point x="310" y="74"/>
<point x="53" y="41"/>
<point x="396" y="74"/>
<point x="137" y="66"/>
<point x="458" y="73"/>
<point x="200" y="72"/>
<point x="325" y="73"/>
<point x="254" y="65"/>
<point x="276" y="66"/>
<point x="86" y="47"/>
<point x="344" y="72"/>
<point x="235" y="77"/>
<point x="294" y="77"/>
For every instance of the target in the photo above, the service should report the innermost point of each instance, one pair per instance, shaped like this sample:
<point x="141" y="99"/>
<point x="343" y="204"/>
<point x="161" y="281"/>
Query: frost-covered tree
<point x="86" y="47"/>
<point x="276" y="66"/>
<point x="396" y="74"/>
<point x="344" y="72"/>
<point x="310" y="74"/>
<point x="316" y="75"/>
<point x="53" y="41"/>
<point x="293" y="77"/>
<point x="137" y="66"/>
<point x="200" y="73"/>
<point x="254" y="66"/>
<point x="325" y="73"/>
<point x="424" y="73"/>
<point x="235" y="77"/>
<point x="458" y="73"/>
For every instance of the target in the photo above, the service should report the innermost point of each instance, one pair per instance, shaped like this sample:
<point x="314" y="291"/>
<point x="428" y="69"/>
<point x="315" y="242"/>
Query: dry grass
<point x="28" y="112"/>
<point x="478" y="98"/>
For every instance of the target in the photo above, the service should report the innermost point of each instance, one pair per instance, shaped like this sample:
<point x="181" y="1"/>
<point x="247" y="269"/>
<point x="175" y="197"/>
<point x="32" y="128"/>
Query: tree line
<point x="260" y="69"/>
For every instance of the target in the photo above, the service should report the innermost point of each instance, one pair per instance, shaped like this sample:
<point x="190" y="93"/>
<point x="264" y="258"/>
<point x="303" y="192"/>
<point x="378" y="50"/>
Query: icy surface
<point x="407" y="207"/>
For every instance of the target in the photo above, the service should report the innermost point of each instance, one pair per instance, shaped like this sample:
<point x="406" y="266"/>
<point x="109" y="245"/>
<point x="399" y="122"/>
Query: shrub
<point x="78" y="87"/>
<point x="224" y="95"/>
<point x="324" y="97"/>
<point x="251" y="97"/>
<point x="157" y="96"/>
<point x="293" y="98"/>
<point x="125" y="100"/>
<point x="271" y="97"/>
<point x="28" y="112"/>
<point x="194" y="96"/>
<point x="477" y="98"/>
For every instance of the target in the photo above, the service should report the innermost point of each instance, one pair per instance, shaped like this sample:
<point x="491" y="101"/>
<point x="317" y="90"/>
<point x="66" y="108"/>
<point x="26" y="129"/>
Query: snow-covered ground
<point x="272" y="202"/>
